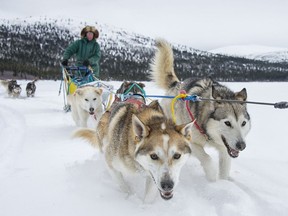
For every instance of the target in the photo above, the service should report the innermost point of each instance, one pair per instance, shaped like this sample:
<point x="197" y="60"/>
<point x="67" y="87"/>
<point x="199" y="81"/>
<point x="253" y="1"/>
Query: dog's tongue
<point x="166" y="195"/>
<point x="233" y="153"/>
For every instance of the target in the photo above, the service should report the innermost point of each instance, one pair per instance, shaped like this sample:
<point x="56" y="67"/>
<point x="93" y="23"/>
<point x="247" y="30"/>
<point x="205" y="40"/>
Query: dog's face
<point x="89" y="98"/>
<point x="229" y="124"/>
<point x="16" y="90"/>
<point x="12" y="82"/>
<point x="162" y="153"/>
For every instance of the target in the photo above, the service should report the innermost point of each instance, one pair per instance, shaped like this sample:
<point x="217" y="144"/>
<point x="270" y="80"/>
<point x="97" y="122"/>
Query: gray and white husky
<point x="222" y="125"/>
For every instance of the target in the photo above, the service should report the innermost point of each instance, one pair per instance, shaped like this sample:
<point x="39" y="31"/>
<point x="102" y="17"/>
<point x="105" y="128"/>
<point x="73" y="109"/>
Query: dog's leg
<point x="122" y="183"/>
<point x="150" y="190"/>
<point x="206" y="162"/>
<point x="83" y="117"/>
<point x="115" y="173"/>
<point x="224" y="164"/>
<point x="75" y="116"/>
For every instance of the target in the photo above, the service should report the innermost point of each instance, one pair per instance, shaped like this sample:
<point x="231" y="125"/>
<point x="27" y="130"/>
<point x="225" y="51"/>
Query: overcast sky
<point x="202" y="24"/>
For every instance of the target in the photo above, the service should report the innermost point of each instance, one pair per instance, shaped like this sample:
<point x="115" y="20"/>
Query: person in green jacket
<point x="87" y="50"/>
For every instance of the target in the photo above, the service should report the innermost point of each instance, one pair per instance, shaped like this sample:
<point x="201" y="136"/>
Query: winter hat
<point x="89" y="29"/>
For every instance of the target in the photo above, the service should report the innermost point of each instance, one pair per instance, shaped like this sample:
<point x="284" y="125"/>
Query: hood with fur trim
<point x="89" y="29"/>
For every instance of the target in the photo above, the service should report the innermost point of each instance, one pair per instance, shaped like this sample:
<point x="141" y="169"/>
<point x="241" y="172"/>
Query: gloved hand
<point x="86" y="63"/>
<point x="64" y="62"/>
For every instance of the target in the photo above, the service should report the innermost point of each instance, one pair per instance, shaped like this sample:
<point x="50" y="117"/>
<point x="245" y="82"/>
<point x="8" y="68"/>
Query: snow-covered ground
<point x="45" y="172"/>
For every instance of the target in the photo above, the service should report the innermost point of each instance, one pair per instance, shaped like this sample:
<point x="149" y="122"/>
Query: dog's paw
<point x="150" y="197"/>
<point x="126" y="189"/>
<point x="212" y="177"/>
<point x="211" y="173"/>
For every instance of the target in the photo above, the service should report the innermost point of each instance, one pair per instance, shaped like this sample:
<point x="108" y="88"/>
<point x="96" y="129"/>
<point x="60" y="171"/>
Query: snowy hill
<point x="34" y="46"/>
<point x="263" y="53"/>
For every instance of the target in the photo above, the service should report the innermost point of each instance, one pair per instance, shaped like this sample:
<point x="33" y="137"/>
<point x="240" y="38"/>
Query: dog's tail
<point x="35" y="80"/>
<point x="88" y="135"/>
<point x="162" y="66"/>
<point x="4" y="83"/>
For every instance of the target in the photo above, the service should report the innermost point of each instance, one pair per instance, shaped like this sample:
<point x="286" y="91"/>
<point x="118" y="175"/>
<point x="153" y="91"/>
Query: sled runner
<point x="74" y="77"/>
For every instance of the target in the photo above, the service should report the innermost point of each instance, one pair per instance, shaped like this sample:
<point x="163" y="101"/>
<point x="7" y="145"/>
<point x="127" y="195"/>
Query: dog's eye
<point x="243" y="123"/>
<point x="227" y="123"/>
<point x="154" y="156"/>
<point x="176" y="156"/>
<point x="94" y="99"/>
<point x="86" y="99"/>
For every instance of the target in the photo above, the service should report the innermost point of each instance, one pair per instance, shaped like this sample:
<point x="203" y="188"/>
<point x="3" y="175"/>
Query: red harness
<point x="191" y="115"/>
<point x="132" y="100"/>
<point x="139" y="103"/>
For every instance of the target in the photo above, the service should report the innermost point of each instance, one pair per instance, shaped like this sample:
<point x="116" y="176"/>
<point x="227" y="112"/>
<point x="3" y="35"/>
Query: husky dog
<point x="84" y="102"/>
<point x="130" y="86"/>
<point x="12" y="87"/>
<point x="130" y="90"/>
<point x="223" y="125"/>
<point x="142" y="141"/>
<point x="31" y="88"/>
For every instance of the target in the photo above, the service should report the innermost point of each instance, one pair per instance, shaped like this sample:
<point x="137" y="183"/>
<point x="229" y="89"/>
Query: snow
<point x="247" y="50"/>
<point x="257" y="52"/>
<point x="43" y="171"/>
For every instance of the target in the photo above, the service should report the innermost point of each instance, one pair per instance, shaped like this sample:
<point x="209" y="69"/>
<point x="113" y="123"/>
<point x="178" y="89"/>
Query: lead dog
<point x="142" y="140"/>
<point x="85" y="102"/>
<point x="222" y="125"/>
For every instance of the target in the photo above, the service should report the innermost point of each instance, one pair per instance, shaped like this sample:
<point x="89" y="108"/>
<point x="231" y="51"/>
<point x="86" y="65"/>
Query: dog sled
<point x="74" y="77"/>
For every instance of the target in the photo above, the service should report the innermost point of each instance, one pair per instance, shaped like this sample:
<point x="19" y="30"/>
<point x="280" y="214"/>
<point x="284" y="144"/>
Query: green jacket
<point x="85" y="50"/>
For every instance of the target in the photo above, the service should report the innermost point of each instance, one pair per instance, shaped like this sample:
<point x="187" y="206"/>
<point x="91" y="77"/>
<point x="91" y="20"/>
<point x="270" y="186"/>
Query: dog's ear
<point x="142" y="85"/>
<point x="242" y="95"/>
<point x="215" y="94"/>
<point x="126" y="84"/>
<point x="79" y="91"/>
<point x="156" y="106"/>
<point x="140" y="130"/>
<point x="185" y="130"/>
<point x="99" y="91"/>
<point x="119" y="90"/>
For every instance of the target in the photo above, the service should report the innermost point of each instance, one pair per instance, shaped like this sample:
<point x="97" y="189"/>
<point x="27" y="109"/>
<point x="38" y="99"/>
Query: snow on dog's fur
<point x="85" y="102"/>
<point x="222" y="125"/>
<point x="142" y="141"/>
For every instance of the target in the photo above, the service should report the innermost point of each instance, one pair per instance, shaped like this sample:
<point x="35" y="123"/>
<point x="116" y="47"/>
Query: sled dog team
<point x="139" y="138"/>
<point x="14" y="89"/>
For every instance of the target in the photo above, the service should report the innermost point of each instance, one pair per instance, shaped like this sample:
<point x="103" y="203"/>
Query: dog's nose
<point x="167" y="185"/>
<point x="241" y="145"/>
<point x="91" y="109"/>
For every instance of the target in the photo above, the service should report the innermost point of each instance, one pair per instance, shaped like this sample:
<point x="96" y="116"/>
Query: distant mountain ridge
<point x="34" y="46"/>
<point x="256" y="52"/>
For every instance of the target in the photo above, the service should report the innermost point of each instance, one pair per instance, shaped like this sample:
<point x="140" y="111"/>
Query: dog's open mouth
<point x="91" y="113"/>
<point x="232" y="152"/>
<point x="166" y="195"/>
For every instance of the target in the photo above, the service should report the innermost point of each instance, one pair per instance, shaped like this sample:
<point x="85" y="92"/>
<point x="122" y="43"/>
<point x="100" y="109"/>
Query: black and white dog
<point x="12" y="87"/>
<point x="31" y="88"/>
